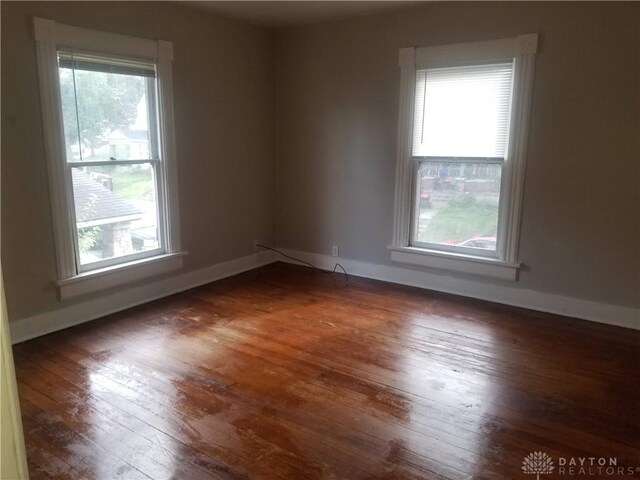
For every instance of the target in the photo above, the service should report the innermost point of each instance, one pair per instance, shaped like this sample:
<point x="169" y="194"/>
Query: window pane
<point x="457" y="204"/>
<point x="107" y="113"/>
<point x="462" y="111"/>
<point x="116" y="211"/>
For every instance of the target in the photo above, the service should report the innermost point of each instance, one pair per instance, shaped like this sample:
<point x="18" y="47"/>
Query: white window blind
<point x="463" y="111"/>
<point x="97" y="63"/>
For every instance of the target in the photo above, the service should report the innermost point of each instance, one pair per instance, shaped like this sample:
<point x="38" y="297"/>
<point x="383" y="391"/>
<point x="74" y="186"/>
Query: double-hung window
<point x="109" y="136"/>
<point x="462" y="139"/>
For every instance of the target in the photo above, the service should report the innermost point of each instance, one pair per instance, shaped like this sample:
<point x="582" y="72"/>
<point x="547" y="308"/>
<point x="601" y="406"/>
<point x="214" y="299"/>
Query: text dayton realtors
<point x="592" y="466"/>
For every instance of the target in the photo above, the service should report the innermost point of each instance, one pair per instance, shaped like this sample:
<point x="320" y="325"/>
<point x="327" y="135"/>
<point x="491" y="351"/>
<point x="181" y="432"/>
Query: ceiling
<point x="288" y="13"/>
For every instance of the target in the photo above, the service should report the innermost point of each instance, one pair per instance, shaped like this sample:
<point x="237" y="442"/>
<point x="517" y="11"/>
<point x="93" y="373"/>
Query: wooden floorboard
<point x="285" y="372"/>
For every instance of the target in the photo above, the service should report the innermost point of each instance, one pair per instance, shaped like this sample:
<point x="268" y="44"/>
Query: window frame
<point x="503" y="263"/>
<point x="72" y="278"/>
<point x="155" y="147"/>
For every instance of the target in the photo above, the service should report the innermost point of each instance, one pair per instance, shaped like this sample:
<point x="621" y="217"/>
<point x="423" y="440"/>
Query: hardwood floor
<point x="284" y="372"/>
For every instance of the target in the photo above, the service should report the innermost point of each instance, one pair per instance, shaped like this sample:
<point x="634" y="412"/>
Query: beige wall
<point x="337" y="103"/>
<point x="337" y="100"/>
<point x="224" y="108"/>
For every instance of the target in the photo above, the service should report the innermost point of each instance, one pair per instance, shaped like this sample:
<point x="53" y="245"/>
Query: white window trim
<point x="522" y="49"/>
<point x="50" y="35"/>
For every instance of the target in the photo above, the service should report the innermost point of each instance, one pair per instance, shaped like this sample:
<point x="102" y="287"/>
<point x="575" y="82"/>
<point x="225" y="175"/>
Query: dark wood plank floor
<point x="285" y="372"/>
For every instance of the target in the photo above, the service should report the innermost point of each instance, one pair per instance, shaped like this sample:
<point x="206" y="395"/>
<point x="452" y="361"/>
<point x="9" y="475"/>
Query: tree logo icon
<point x="537" y="463"/>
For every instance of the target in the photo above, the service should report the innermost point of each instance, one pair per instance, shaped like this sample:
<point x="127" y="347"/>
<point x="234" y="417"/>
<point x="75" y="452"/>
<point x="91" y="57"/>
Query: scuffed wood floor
<point x="284" y="372"/>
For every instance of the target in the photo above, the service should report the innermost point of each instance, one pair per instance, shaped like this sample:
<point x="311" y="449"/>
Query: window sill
<point x="108" y="277"/>
<point x="455" y="262"/>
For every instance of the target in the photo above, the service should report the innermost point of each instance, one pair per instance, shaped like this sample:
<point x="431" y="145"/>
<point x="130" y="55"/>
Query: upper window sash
<point x="80" y="62"/>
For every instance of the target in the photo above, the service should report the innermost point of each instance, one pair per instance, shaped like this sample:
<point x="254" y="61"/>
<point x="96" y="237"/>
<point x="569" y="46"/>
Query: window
<point x="462" y="138"/>
<point x="108" y="129"/>
<point x="112" y="157"/>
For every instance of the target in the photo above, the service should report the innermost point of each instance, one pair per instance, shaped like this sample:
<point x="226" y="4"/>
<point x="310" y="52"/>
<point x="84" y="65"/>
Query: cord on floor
<point x="346" y="275"/>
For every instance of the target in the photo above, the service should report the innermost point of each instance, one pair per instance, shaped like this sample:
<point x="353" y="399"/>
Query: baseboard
<point x="48" y="322"/>
<point x="480" y="289"/>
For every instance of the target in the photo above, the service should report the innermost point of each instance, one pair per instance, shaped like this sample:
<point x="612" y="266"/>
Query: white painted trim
<point x="508" y="295"/>
<point x="521" y="50"/>
<point x="516" y="159"/>
<point x="49" y="31"/>
<point x="52" y="125"/>
<point x="50" y="35"/>
<point x="121" y="274"/>
<point x="527" y="44"/>
<point x="474" y="52"/>
<point x="114" y="262"/>
<point x="44" y="30"/>
<point x="455" y="262"/>
<point x="165" y="50"/>
<point x="48" y="322"/>
<point x="168" y="146"/>
<point x="407" y="57"/>
<point x="404" y="169"/>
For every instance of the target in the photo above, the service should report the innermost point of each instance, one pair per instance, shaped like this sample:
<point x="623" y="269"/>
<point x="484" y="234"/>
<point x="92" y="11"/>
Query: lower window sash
<point x="457" y="205"/>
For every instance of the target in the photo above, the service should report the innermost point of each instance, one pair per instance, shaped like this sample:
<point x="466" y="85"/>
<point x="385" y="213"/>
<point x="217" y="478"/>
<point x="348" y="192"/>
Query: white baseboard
<point x="480" y="289"/>
<point x="48" y="322"/>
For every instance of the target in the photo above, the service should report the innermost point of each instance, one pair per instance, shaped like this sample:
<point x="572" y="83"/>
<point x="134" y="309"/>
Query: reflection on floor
<point x="284" y="372"/>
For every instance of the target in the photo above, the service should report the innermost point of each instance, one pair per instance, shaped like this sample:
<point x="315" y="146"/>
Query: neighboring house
<point x="132" y="142"/>
<point x="98" y="206"/>
<point x="129" y="143"/>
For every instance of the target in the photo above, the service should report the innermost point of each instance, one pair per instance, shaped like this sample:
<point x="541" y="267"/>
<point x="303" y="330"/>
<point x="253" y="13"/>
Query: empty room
<point x="320" y="240"/>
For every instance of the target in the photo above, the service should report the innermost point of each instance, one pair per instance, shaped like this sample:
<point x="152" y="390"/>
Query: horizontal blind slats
<point x="463" y="111"/>
<point x="95" y="63"/>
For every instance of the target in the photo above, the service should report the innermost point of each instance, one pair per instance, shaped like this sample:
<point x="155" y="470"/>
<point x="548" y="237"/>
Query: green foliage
<point x="464" y="217"/>
<point x="88" y="238"/>
<point x="105" y="102"/>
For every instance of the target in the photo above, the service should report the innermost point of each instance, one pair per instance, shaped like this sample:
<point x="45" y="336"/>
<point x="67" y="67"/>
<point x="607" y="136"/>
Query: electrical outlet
<point x="334" y="250"/>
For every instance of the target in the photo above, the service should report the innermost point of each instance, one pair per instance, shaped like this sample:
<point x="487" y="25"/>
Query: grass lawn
<point x="131" y="183"/>
<point x="464" y="217"/>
